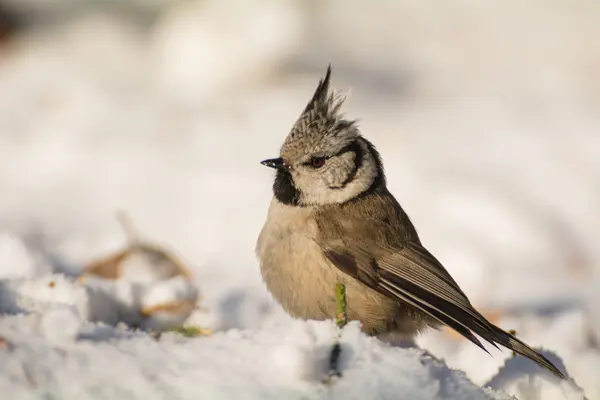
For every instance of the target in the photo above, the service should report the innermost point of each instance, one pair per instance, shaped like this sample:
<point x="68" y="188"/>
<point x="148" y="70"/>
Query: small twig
<point x="341" y="319"/>
<point x="192" y="331"/>
<point x="131" y="232"/>
<point x="340" y="298"/>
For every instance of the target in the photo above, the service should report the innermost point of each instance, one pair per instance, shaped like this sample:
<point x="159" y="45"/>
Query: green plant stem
<point x="341" y="319"/>
<point x="340" y="297"/>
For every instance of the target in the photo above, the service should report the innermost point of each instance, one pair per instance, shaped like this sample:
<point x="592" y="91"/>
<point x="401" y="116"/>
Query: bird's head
<point x="324" y="159"/>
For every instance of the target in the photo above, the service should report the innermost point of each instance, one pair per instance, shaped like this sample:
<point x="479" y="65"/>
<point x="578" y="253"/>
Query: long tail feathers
<point x="509" y="341"/>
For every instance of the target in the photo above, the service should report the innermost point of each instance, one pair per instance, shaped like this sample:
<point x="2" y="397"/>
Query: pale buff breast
<point x="303" y="281"/>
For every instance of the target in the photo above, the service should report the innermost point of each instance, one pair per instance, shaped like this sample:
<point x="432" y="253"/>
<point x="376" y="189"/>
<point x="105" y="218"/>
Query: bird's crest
<point x="320" y="118"/>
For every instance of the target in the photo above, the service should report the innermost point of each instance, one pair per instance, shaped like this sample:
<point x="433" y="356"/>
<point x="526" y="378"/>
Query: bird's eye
<point x="317" y="162"/>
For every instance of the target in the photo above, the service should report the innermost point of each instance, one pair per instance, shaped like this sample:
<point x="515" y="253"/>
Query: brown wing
<point x="406" y="271"/>
<point x="414" y="276"/>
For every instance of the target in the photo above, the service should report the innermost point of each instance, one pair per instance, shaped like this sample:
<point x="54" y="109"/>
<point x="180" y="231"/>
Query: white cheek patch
<point x="340" y="171"/>
<point x="318" y="190"/>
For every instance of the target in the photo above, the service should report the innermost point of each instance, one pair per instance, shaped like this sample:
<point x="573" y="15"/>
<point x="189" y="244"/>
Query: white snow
<point x="486" y="117"/>
<point x="266" y="364"/>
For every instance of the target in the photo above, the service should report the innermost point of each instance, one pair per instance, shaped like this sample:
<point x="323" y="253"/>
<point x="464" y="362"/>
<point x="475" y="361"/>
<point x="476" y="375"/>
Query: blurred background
<point x="487" y="116"/>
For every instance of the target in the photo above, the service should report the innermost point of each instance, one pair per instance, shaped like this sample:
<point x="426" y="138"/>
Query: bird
<point x="333" y="220"/>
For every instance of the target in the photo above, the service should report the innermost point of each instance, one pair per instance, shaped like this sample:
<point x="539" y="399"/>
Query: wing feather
<point x="413" y="275"/>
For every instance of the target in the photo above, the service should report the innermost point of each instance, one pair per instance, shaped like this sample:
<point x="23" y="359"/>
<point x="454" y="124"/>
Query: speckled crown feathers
<point x="320" y="119"/>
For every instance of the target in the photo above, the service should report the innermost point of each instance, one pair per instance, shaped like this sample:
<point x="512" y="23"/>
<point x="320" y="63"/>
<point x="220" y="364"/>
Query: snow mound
<point x="69" y="337"/>
<point x="65" y="338"/>
<point x="134" y="299"/>
<point x="43" y="359"/>
<point x="523" y="378"/>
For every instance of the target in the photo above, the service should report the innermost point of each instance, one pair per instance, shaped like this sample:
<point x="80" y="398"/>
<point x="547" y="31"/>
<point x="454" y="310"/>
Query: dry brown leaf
<point x="175" y="307"/>
<point x="110" y="267"/>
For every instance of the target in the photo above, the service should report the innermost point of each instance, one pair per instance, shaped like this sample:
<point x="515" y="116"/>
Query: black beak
<point x="276" y="163"/>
